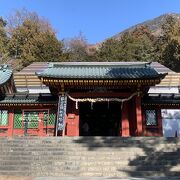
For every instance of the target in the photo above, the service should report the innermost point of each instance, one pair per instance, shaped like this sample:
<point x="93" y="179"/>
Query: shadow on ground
<point x="159" y="156"/>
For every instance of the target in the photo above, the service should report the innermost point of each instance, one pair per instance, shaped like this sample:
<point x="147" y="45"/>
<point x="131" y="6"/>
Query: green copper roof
<point x="99" y="71"/>
<point x="29" y="99"/>
<point x="5" y="74"/>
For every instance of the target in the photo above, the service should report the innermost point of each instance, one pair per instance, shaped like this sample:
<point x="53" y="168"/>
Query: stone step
<point x="85" y="140"/>
<point x="94" y="173"/>
<point x="73" y="149"/>
<point x="121" y="174"/>
<point x="15" y="173"/>
<point x="87" y="163"/>
<point x="76" y="167"/>
<point x="54" y="156"/>
<point x="128" y="140"/>
<point x="86" y="137"/>
<point x="80" y="150"/>
<point x="15" y="168"/>
<point x="126" y="162"/>
<point x="102" y="149"/>
<point x="107" y="168"/>
<point x="87" y="153"/>
<point x="96" y="144"/>
<point x="90" y="156"/>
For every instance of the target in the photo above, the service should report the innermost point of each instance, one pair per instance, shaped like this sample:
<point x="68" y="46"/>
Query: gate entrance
<point x="100" y="119"/>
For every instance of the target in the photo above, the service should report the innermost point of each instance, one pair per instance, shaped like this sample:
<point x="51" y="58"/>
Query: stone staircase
<point x="90" y="156"/>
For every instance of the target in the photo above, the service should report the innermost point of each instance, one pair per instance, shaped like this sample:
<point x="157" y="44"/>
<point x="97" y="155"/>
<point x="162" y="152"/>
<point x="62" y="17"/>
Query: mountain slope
<point x="154" y="25"/>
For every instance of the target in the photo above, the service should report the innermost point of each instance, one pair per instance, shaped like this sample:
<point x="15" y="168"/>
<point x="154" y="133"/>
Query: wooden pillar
<point x="125" y="120"/>
<point x="139" y="116"/>
<point x="40" y="124"/>
<point x="77" y="122"/>
<point x="132" y="117"/>
<point x="11" y="122"/>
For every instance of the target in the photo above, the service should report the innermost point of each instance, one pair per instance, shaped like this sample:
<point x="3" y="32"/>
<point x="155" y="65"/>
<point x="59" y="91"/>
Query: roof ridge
<point x="120" y="64"/>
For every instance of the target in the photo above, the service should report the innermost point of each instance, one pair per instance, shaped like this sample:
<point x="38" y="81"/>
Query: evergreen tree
<point x="3" y="40"/>
<point x="34" y="40"/>
<point x="137" y="45"/>
<point x="169" y="44"/>
<point x="110" y="50"/>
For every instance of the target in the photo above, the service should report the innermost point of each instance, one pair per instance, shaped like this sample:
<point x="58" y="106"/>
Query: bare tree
<point x="18" y="17"/>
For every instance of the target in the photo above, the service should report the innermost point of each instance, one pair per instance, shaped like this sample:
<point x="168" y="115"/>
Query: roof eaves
<point x="5" y="73"/>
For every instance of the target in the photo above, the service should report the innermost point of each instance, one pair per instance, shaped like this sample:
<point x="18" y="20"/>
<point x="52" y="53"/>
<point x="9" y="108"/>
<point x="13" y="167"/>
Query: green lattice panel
<point x="46" y="118"/>
<point x="32" y="117"/>
<point x="49" y="119"/>
<point x="3" y="118"/>
<point x="52" y="118"/>
<point x="18" y="119"/>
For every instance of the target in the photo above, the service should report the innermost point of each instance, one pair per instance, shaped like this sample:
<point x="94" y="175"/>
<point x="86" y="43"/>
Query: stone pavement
<point x="83" y="178"/>
<point x="103" y="178"/>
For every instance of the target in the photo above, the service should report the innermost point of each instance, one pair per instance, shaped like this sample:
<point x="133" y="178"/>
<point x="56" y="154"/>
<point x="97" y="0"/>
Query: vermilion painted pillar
<point x="40" y="124"/>
<point x="125" y="120"/>
<point x="11" y="121"/>
<point x="77" y="123"/>
<point x="139" y="116"/>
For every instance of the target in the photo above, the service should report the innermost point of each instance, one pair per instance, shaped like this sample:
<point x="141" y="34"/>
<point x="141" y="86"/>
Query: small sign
<point x="62" y="105"/>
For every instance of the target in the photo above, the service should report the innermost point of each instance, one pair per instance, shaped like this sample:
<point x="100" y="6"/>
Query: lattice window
<point x="49" y="119"/>
<point x="18" y="119"/>
<point x="45" y="117"/>
<point x="151" y="117"/>
<point x="52" y="118"/>
<point x="3" y="117"/>
<point x="32" y="118"/>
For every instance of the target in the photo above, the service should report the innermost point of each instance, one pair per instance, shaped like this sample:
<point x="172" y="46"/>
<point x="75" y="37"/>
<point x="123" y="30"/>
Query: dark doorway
<point x="100" y="119"/>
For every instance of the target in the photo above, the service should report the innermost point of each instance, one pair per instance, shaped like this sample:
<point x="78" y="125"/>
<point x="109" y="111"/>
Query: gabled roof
<point x="27" y="80"/>
<point x="5" y="74"/>
<point x="41" y="66"/>
<point x="100" y="70"/>
<point x="30" y="83"/>
<point x="171" y="80"/>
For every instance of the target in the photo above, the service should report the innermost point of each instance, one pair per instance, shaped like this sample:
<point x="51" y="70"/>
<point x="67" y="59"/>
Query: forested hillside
<point x="154" y="25"/>
<point x="26" y="37"/>
<point x="153" y="40"/>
